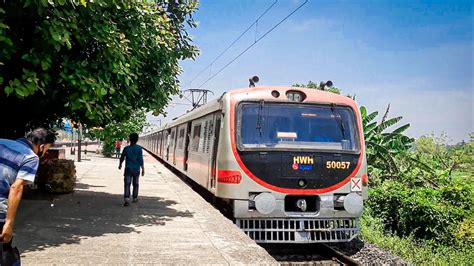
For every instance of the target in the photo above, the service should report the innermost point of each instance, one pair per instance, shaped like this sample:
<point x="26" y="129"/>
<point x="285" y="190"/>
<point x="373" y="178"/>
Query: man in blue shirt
<point x="133" y="156"/>
<point x="18" y="165"/>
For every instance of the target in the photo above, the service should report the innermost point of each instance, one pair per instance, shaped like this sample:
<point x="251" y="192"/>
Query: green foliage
<point x="422" y="192"/>
<point x="94" y="61"/>
<point x="466" y="229"/>
<point x="119" y="131"/>
<point x="411" y="249"/>
<point x="383" y="147"/>
<point x="446" y="159"/>
<point x="429" y="202"/>
<point x="424" y="212"/>
<point x="314" y="85"/>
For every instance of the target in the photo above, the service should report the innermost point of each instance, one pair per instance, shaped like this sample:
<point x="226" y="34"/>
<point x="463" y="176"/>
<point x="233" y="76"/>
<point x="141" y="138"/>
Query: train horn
<point x="323" y="85"/>
<point x="253" y="80"/>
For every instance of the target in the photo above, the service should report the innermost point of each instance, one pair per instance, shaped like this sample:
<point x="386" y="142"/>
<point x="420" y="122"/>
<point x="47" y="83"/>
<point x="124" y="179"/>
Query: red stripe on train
<point x="229" y="176"/>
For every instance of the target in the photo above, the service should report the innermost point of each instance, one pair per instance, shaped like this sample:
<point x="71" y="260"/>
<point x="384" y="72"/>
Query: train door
<point x="167" y="145"/>
<point x="213" y="174"/>
<point x="163" y="144"/>
<point x="159" y="144"/>
<point x="173" y="145"/>
<point x="162" y="134"/>
<point x="186" y="146"/>
<point x="206" y="141"/>
<point x="150" y="145"/>
<point x="179" y="149"/>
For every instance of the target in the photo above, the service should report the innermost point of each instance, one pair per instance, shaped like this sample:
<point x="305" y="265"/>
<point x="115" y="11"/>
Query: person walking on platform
<point x="118" y="146"/>
<point x="133" y="156"/>
<point x="19" y="160"/>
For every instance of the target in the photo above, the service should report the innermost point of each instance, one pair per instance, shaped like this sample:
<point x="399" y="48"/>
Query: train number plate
<point x="337" y="165"/>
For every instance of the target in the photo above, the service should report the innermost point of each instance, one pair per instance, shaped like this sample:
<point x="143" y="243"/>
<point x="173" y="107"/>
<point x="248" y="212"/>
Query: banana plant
<point x="382" y="146"/>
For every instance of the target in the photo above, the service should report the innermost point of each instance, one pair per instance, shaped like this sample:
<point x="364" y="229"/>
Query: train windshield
<point x="266" y="125"/>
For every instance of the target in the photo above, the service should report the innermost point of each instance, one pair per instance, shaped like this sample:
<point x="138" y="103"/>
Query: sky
<point x="414" y="55"/>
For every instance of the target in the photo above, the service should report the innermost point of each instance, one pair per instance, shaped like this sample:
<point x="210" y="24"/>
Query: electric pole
<point x="198" y="96"/>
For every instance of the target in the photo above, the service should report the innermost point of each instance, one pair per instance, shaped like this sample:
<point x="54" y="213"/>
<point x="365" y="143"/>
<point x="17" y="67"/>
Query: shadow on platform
<point x="66" y="219"/>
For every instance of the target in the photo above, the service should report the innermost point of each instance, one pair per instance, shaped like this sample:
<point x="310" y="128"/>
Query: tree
<point x="445" y="159"/>
<point x="382" y="147"/>
<point x="314" y="85"/>
<point x="95" y="62"/>
<point x="114" y="131"/>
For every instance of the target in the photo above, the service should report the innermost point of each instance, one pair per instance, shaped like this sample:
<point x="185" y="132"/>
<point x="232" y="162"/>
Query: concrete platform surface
<point x="170" y="224"/>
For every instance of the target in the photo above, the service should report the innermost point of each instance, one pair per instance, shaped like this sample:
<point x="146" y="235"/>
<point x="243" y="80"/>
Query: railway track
<point x="307" y="254"/>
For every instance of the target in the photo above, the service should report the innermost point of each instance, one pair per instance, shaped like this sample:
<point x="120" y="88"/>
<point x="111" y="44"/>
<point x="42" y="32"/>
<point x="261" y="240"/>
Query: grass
<point x="411" y="250"/>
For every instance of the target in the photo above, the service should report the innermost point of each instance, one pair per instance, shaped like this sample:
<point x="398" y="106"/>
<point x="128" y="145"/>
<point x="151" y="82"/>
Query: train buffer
<point x="170" y="224"/>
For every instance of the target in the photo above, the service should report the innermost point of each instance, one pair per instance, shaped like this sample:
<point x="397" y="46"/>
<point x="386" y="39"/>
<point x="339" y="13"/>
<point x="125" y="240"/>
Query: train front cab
<point x="285" y="194"/>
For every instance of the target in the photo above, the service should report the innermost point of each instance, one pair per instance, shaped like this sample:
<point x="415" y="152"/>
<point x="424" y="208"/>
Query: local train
<point x="289" y="161"/>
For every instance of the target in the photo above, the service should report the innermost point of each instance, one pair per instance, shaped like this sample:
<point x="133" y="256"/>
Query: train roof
<point x="311" y="95"/>
<point x="209" y="107"/>
<point x="265" y="93"/>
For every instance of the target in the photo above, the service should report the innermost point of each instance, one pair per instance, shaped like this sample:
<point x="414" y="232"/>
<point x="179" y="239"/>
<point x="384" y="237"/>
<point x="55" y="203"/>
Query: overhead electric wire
<point x="256" y="41"/>
<point x="184" y="96"/>
<point x="180" y="104"/>
<point x="237" y="39"/>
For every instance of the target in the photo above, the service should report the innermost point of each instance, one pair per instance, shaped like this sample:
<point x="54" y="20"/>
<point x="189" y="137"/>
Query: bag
<point x="10" y="256"/>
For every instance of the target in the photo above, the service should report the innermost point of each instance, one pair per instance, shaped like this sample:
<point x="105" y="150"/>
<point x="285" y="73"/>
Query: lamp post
<point x="79" y="143"/>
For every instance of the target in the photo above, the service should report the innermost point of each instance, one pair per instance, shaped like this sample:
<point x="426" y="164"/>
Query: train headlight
<point x="353" y="203"/>
<point x="265" y="203"/>
<point x="295" y="96"/>
<point x="302" y="183"/>
<point x="301" y="203"/>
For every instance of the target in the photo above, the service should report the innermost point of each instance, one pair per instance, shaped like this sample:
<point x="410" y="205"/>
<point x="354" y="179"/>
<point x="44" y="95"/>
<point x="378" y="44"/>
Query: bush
<point x="108" y="148"/>
<point x="465" y="231"/>
<point x="411" y="249"/>
<point x="424" y="212"/>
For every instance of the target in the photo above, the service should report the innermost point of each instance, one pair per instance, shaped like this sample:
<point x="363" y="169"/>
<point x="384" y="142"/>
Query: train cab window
<point x="297" y="126"/>
<point x="196" y="137"/>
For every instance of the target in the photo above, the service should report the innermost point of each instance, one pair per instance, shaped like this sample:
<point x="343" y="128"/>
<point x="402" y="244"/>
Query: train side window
<point x="204" y="139"/>
<point x="196" y="137"/>
<point x="181" y="138"/>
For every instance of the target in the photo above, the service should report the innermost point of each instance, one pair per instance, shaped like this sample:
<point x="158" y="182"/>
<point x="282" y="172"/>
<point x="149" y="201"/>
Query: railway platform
<point x="170" y="224"/>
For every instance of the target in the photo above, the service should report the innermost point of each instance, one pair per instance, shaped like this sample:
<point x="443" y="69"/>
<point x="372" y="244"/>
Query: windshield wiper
<point x="259" y="117"/>
<point x="339" y="120"/>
